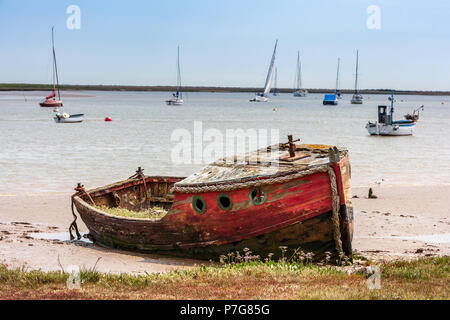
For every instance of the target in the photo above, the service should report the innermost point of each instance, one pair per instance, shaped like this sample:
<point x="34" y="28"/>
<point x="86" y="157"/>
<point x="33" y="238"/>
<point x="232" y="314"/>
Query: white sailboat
<point x="357" y="97"/>
<point x="299" y="92"/>
<point x="177" y="97"/>
<point x="263" y="96"/>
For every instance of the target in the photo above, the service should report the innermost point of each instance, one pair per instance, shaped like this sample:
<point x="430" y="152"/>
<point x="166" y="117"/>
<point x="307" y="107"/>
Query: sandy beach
<point x="402" y="223"/>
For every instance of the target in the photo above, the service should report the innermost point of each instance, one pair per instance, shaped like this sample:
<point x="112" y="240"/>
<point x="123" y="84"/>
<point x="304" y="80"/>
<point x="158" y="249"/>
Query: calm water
<point x="38" y="155"/>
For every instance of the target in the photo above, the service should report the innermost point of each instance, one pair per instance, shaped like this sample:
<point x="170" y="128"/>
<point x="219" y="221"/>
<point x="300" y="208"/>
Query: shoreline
<point x="5" y="87"/>
<point x="386" y="229"/>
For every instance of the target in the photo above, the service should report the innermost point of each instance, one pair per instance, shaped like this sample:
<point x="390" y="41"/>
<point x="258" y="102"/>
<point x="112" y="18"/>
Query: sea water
<point x="38" y="155"/>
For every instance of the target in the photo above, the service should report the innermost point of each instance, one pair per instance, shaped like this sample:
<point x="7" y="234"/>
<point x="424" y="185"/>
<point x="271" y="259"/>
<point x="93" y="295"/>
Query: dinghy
<point x="68" y="118"/>
<point x="357" y="97"/>
<point x="386" y="126"/>
<point x="297" y="197"/>
<point x="298" y="91"/>
<point x="50" y="100"/>
<point x="263" y="96"/>
<point x="177" y="98"/>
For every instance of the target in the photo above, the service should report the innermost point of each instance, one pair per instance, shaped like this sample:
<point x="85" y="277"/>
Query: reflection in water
<point x="61" y="236"/>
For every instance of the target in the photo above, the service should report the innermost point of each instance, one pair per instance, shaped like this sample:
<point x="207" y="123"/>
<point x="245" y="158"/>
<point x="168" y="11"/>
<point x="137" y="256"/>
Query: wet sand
<point x="385" y="228"/>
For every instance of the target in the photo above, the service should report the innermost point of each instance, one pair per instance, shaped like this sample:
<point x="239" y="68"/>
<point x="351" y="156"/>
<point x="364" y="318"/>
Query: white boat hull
<point x="259" y="98"/>
<point x="300" y="93"/>
<point x="389" y="129"/>
<point x="174" y="102"/>
<point x="76" y="118"/>
<point x="357" y="99"/>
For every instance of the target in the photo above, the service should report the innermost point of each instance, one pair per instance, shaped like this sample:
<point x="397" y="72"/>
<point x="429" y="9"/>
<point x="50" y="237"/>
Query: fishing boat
<point x="298" y="91"/>
<point x="50" y="100"/>
<point x="330" y="99"/>
<point x="297" y="197"/>
<point x="386" y="126"/>
<point x="275" y="84"/>
<point x="68" y="118"/>
<point x="357" y="98"/>
<point x="263" y="96"/>
<point x="177" y="97"/>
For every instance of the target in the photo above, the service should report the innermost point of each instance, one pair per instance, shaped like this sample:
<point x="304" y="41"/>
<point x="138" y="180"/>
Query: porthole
<point x="224" y="201"/>
<point x="258" y="196"/>
<point x="199" y="204"/>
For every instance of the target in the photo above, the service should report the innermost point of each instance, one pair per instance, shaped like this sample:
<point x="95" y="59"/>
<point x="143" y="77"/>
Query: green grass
<point x="426" y="278"/>
<point x="152" y="213"/>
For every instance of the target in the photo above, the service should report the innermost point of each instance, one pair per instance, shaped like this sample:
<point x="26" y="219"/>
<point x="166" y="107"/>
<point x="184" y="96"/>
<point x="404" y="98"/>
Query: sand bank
<point x="389" y="227"/>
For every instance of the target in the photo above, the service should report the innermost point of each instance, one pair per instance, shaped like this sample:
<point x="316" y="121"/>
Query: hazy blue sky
<point x="228" y="43"/>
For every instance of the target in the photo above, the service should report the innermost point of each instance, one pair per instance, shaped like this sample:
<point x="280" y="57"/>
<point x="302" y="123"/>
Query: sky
<point x="228" y="42"/>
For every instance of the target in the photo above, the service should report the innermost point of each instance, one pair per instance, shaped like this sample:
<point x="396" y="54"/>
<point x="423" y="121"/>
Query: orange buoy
<point x="108" y="119"/>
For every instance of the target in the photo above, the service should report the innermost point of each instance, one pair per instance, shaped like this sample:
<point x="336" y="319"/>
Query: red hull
<point x="51" y="103"/>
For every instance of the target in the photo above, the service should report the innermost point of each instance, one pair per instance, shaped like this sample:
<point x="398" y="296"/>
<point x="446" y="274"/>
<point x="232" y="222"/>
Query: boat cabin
<point x="383" y="116"/>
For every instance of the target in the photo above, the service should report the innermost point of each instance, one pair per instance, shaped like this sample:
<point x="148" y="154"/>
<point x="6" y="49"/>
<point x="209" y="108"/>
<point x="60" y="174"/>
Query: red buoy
<point x="108" y="119"/>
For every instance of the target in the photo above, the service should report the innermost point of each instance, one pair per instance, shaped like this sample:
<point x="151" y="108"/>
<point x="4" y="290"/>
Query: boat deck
<point x="265" y="162"/>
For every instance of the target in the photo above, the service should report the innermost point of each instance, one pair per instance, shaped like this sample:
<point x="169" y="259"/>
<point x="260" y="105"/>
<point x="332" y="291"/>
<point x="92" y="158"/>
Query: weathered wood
<point x="294" y="214"/>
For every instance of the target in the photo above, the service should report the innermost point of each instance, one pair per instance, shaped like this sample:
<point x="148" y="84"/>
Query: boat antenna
<point x="55" y="67"/>
<point x="392" y="104"/>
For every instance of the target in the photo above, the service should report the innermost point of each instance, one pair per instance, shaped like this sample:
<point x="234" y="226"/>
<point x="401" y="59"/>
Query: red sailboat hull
<point x="51" y="103"/>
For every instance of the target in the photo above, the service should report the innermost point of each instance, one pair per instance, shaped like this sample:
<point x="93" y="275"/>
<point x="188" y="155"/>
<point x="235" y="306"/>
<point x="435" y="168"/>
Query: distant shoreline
<point x="40" y="87"/>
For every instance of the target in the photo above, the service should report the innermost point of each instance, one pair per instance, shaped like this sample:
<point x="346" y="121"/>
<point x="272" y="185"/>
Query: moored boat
<point x="299" y="91"/>
<point x="177" y="98"/>
<point x="68" y="118"/>
<point x="297" y="197"/>
<point x="263" y="96"/>
<point x="357" y="98"/>
<point x="50" y="100"/>
<point x="330" y="99"/>
<point x="386" y="126"/>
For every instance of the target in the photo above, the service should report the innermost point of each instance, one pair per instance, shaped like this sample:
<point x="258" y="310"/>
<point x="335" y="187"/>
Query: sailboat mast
<point x="337" y="75"/>
<point x="55" y="67"/>
<point x="179" y="73"/>
<point x="299" y="71"/>
<point x="356" y="76"/>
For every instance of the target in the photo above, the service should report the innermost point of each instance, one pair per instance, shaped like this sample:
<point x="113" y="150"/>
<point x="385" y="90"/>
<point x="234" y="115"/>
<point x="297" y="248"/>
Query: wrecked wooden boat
<point x="297" y="197"/>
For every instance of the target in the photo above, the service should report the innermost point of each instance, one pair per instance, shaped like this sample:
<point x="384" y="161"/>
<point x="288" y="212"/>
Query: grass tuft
<point x="152" y="213"/>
